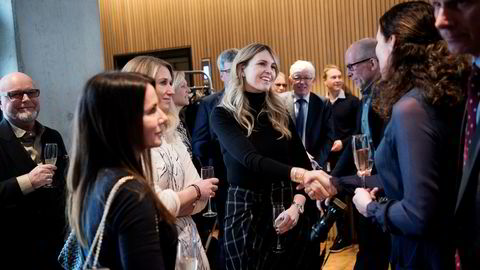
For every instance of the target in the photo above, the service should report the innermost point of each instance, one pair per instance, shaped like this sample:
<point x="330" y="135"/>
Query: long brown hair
<point x="419" y="58"/>
<point x="234" y="99"/>
<point x="108" y="119"/>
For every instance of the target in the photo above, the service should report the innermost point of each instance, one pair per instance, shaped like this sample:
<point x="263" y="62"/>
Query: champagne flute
<point x="361" y="155"/>
<point x="186" y="250"/>
<point x="278" y="208"/>
<point x="50" y="156"/>
<point x="207" y="172"/>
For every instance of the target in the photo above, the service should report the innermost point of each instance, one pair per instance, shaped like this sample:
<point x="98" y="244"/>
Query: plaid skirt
<point x="249" y="233"/>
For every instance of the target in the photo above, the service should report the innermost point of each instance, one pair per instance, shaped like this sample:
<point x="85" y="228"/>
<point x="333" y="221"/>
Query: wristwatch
<point x="299" y="207"/>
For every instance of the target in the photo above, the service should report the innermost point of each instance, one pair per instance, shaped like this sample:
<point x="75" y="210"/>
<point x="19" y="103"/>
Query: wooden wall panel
<point x="316" y="30"/>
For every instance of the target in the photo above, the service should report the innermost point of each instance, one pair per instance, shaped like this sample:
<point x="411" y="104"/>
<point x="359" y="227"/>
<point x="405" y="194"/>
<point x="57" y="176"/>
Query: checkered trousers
<point x="249" y="231"/>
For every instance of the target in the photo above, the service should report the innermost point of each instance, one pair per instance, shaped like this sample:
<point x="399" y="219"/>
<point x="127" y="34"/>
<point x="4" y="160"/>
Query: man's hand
<point x="41" y="175"/>
<point x="337" y="146"/>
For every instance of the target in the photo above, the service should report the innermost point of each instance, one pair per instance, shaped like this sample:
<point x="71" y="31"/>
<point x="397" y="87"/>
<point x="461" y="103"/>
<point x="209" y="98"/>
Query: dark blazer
<point x="345" y="165"/>
<point x="32" y="226"/>
<point x="319" y="131"/>
<point x="467" y="207"/>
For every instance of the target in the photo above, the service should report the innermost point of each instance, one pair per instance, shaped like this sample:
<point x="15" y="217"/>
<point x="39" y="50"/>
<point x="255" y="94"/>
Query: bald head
<point x="361" y="62"/>
<point x="362" y="49"/>
<point x="15" y="80"/>
<point x="19" y="100"/>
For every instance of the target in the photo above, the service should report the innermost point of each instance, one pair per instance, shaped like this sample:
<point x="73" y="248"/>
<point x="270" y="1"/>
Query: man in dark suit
<point x="311" y="114"/>
<point x="459" y="24"/>
<point x="206" y="147"/>
<point x="32" y="202"/>
<point x="363" y="70"/>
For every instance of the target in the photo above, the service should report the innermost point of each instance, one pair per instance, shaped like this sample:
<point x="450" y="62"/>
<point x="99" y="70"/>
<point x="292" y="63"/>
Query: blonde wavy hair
<point x="234" y="99"/>
<point x="149" y="65"/>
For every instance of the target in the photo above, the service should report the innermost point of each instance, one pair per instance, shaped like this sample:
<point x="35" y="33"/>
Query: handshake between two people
<point x="319" y="186"/>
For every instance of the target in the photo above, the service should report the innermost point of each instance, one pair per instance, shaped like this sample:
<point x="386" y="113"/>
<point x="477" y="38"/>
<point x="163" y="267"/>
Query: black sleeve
<point x="134" y="220"/>
<point x="355" y="107"/>
<point x="201" y="133"/>
<point x="233" y="139"/>
<point x="419" y="157"/>
<point x="348" y="184"/>
<point x="327" y="136"/>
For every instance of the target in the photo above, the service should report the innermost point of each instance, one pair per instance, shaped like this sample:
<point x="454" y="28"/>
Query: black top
<point x="256" y="161"/>
<point x="133" y="239"/>
<point x="344" y="113"/>
<point x="31" y="225"/>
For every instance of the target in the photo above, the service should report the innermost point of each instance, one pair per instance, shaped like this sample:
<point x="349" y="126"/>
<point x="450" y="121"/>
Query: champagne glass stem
<point x="363" y="181"/>
<point x="209" y="204"/>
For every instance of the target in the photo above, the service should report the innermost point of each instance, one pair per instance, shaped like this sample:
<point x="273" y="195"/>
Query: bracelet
<point x="298" y="175"/>
<point x="197" y="189"/>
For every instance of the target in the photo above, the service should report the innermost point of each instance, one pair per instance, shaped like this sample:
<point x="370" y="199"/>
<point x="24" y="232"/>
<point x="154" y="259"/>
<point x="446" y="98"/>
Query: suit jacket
<point x="32" y="226"/>
<point x="205" y="143"/>
<point x="467" y="215"/>
<point x="319" y="131"/>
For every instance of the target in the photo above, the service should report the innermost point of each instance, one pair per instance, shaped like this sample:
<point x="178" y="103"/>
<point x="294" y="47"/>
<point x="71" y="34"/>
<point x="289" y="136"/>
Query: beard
<point x="26" y="116"/>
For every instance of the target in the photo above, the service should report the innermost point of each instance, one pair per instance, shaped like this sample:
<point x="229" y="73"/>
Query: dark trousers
<point x="373" y="245"/>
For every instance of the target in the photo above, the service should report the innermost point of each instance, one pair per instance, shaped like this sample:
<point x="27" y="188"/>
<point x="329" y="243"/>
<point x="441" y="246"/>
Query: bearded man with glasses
<point x="33" y="216"/>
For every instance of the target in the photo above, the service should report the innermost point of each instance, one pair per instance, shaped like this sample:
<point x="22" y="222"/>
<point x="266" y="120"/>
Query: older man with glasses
<point x="311" y="114"/>
<point x="32" y="202"/>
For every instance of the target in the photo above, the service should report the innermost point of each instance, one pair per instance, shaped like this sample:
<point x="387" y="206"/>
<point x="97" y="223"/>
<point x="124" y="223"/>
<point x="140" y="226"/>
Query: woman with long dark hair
<point x="117" y="121"/>
<point x="420" y="94"/>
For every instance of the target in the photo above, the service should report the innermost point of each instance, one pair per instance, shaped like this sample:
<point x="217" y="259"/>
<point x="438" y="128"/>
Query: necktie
<point x="300" y="119"/>
<point x="472" y="105"/>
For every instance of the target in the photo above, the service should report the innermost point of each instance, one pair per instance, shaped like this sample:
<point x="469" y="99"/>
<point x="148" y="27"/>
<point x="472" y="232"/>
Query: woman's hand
<point x="287" y="220"/>
<point x="207" y="187"/>
<point x="317" y="185"/>
<point x="362" y="198"/>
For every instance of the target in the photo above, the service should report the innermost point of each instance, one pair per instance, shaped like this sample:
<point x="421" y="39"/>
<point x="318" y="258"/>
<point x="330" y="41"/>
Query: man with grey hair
<point x="364" y="71"/>
<point x="206" y="147"/>
<point x="311" y="114"/>
<point x="32" y="202"/>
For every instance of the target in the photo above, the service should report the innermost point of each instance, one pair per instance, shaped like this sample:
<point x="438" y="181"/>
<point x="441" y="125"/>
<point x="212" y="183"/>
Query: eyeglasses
<point x="18" y="94"/>
<point x="281" y="84"/>
<point x="351" y="67"/>
<point x="300" y="78"/>
<point x="225" y="70"/>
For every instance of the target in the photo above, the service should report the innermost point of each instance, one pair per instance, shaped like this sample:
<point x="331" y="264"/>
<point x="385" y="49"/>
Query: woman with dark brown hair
<point x="421" y="96"/>
<point x="108" y="144"/>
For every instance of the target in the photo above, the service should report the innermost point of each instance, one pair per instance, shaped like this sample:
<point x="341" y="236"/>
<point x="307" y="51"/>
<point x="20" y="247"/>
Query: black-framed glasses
<point x="18" y="94"/>
<point x="281" y="84"/>
<point x="351" y="67"/>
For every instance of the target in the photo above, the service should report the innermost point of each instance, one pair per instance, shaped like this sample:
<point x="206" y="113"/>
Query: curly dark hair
<point x="419" y="58"/>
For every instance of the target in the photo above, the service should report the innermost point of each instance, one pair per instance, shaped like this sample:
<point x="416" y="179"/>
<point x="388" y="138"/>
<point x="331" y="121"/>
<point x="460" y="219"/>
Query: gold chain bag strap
<point x="97" y="241"/>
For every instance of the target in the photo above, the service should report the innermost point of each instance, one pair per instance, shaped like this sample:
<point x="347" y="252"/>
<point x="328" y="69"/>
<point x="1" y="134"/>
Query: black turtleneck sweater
<point x="256" y="161"/>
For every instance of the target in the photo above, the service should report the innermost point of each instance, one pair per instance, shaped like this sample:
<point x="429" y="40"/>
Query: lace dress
<point x="173" y="171"/>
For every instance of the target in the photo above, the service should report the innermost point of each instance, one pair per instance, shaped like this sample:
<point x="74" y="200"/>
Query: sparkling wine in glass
<point x="277" y="208"/>
<point x="207" y="172"/>
<point x="361" y="155"/>
<point x="186" y="250"/>
<point x="50" y="152"/>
